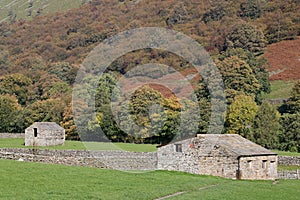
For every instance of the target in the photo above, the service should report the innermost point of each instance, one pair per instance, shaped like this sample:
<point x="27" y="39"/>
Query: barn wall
<point x="194" y="159"/>
<point x="186" y="161"/>
<point x="44" y="137"/>
<point x="223" y="166"/>
<point x="258" y="167"/>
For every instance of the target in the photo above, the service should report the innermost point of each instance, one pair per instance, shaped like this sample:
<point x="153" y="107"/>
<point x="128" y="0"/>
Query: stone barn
<point x="224" y="155"/>
<point x="44" y="134"/>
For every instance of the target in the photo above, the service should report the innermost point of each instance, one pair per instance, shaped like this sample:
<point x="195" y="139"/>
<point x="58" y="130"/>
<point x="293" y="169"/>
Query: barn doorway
<point x="35" y="132"/>
<point x="272" y="163"/>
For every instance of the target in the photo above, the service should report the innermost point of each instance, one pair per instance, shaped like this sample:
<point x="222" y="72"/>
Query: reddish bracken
<point x="284" y="59"/>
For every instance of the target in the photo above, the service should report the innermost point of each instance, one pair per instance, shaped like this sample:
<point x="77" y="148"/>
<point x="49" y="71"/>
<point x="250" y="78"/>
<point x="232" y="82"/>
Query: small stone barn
<point x="224" y="155"/>
<point x="44" y="134"/>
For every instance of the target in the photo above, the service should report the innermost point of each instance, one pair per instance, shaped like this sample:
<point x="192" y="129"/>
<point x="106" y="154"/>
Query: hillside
<point x="284" y="59"/>
<point x="28" y="9"/>
<point x="39" y="58"/>
<point x="69" y="36"/>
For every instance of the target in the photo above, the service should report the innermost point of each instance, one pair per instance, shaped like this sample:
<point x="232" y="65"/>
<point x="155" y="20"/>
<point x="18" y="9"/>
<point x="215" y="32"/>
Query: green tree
<point x="250" y="9"/>
<point x="150" y="117"/>
<point x="9" y="112"/>
<point x="289" y="139"/>
<point x="50" y="110"/>
<point x="65" y="71"/>
<point x="216" y="12"/>
<point x="241" y="116"/>
<point x="246" y="36"/>
<point x="107" y="90"/>
<point x="141" y="102"/>
<point x="267" y="126"/>
<point x="106" y="127"/>
<point x="292" y="106"/>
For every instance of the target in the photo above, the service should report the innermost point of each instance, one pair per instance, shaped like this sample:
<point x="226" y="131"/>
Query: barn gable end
<point x="224" y="155"/>
<point x="44" y="134"/>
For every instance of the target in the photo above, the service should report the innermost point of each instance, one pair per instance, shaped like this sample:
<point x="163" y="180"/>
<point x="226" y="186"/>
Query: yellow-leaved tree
<point x="241" y="116"/>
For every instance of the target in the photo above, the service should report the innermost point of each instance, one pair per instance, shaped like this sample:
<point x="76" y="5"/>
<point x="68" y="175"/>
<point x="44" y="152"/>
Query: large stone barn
<point x="224" y="155"/>
<point x="44" y="134"/>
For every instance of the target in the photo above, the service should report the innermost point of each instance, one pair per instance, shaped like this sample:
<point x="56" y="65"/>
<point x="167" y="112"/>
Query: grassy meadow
<point x="77" y="145"/>
<point x="286" y="153"/>
<point x="288" y="168"/>
<point x="280" y="90"/>
<point x="21" y="7"/>
<point x="22" y="180"/>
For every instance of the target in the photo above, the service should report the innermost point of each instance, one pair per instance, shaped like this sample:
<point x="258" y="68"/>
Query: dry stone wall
<point x="289" y="160"/>
<point x="102" y="159"/>
<point x="289" y="174"/>
<point x="12" y="135"/>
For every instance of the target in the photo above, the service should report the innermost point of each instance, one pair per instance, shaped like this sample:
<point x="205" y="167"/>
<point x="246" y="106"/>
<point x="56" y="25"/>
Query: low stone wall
<point x="12" y="135"/>
<point x="289" y="160"/>
<point x="289" y="174"/>
<point x="102" y="159"/>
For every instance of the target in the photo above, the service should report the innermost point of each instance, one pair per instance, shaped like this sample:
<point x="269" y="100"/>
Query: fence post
<point x="298" y="175"/>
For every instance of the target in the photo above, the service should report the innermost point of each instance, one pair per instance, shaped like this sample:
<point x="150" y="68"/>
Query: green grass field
<point x="20" y="7"/>
<point x="280" y="90"/>
<point x="288" y="168"/>
<point x="286" y="153"/>
<point x="76" y="145"/>
<point x="22" y="180"/>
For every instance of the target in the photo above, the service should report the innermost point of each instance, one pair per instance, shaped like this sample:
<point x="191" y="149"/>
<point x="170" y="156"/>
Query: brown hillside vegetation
<point x="284" y="59"/>
<point x="69" y="36"/>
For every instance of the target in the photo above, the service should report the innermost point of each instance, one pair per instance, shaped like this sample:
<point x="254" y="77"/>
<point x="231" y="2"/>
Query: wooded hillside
<point x="39" y="58"/>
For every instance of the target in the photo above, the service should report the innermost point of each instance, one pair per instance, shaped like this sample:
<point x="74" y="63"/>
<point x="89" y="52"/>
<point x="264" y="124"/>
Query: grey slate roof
<point x="234" y="143"/>
<point x="46" y="126"/>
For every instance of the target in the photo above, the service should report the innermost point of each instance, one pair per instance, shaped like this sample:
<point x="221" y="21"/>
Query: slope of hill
<point x="45" y="53"/>
<point x="28" y="9"/>
<point x="284" y="59"/>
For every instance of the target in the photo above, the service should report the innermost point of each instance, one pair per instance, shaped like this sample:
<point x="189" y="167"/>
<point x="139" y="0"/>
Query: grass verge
<point x="22" y="180"/>
<point x="77" y="145"/>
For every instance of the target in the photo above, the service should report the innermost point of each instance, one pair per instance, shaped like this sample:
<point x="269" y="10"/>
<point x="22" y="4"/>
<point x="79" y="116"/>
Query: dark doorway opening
<point x="35" y="132"/>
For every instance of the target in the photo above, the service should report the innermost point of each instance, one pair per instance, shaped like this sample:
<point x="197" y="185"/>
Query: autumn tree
<point x="241" y="116"/>
<point x="258" y="66"/>
<point x="16" y="84"/>
<point x="238" y="77"/>
<point x="280" y="26"/>
<point x="68" y="123"/>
